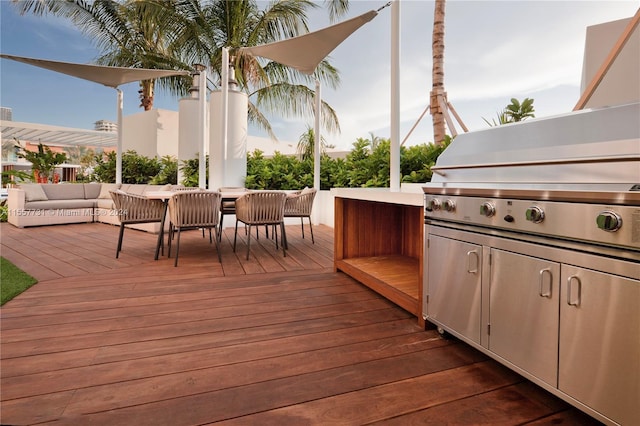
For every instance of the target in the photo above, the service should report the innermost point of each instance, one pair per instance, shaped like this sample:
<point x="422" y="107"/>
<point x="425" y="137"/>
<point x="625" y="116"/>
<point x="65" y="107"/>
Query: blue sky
<point x="494" y="50"/>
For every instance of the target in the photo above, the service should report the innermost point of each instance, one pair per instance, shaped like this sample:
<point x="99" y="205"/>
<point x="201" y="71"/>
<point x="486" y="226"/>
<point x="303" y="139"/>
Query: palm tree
<point x="174" y="34"/>
<point x="130" y="33"/>
<point x="271" y="87"/>
<point x="513" y="112"/>
<point x="517" y="111"/>
<point x="437" y="90"/>
<point x="306" y="144"/>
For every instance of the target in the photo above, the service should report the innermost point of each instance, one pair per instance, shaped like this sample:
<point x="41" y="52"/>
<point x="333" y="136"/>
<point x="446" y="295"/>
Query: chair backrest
<point x="301" y="203"/>
<point x="132" y="208"/>
<point x="261" y="207"/>
<point x="195" y="208"/>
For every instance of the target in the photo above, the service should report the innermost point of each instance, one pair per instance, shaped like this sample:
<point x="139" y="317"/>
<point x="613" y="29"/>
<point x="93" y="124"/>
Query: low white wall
<point x="323" y="208"/>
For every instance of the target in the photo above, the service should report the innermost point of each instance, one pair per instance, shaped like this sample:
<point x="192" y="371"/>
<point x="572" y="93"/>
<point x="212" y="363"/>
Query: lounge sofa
<point x="37" y="204"/>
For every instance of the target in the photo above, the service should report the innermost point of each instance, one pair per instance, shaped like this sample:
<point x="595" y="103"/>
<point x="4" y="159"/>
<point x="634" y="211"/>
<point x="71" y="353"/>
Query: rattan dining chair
<point x="189" y="188"/>
<point x="261" y="208"/>
<point x="228" y="206"/>
<point x="132" y="208"/>
<point x="194" y="210"/>
<point x="300" y="205"/>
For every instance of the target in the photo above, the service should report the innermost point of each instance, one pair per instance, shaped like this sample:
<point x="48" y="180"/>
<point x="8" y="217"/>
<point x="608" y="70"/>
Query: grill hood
<point x="592" y="148"/>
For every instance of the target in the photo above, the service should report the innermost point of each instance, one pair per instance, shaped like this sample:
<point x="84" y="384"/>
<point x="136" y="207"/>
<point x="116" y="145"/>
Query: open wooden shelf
<point x="381" y="246"/>
<point x="395" y="277"/>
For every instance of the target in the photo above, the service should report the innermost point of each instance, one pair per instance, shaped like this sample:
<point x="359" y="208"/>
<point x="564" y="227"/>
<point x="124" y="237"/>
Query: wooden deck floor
<point x="269" y="341"/>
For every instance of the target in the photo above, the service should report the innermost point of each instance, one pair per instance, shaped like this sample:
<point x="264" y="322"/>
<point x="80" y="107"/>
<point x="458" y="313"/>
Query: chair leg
<point x="235" y="237"/>
<point x="169" y="239"/>
<point x="120" y="240"/>
<point x="177" y="249"/>
<point x="249" y="241"/>
<point x="302" y="224"/>
<point x="275" y="234"/>
<point x="220" y="227"/>
<point x="284" y="239"/>
<point x="217" y="245"/>
<point x="311" y="228"/>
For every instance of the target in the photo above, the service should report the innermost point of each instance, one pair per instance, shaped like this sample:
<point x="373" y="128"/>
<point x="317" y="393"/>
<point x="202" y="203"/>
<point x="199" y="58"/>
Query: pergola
<point x="56" y="135"/>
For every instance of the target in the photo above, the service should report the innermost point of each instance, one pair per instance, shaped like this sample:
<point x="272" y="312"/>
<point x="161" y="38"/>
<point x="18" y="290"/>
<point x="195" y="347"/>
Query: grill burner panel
<point x="612" y="224"/>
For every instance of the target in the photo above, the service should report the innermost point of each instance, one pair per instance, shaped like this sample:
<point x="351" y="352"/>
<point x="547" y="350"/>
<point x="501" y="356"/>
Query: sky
<point x="494" y="51"/>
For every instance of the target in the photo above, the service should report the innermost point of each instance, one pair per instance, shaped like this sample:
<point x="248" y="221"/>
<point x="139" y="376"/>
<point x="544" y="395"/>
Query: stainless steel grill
<point x="532" y="242"/>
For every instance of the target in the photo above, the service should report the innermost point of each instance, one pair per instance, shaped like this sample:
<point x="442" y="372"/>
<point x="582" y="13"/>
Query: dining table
<point x="165" y="195"/>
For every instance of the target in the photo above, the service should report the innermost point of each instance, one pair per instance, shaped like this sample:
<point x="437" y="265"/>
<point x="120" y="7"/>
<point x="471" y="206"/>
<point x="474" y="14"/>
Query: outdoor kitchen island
<point x="378" y="240"/>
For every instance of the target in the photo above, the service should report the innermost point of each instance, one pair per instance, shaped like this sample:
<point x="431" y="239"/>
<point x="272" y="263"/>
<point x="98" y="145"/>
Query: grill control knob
<point x="433" y="205"/>
<point x="449" y="205"/>
<point x="487" y="209"/>
<point x="609" y="221"/>
<point x="535" y="214"/>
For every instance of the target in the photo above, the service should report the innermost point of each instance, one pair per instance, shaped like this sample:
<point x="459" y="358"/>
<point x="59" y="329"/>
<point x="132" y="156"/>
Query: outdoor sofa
<point x="36" y="204"/>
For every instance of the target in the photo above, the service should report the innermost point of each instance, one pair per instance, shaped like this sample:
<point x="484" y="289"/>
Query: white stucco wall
<point x="151" y="133"/>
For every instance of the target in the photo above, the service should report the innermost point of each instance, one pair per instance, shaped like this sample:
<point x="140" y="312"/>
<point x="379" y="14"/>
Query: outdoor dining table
<point x="166" y="195"/>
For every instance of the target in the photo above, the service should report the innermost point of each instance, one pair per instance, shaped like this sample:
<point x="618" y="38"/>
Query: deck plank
<point x="269" y="340"/>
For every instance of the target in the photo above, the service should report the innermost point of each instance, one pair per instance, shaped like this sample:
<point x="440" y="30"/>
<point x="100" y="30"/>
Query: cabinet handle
<point x="472" y="270"/>
<point x="543" y="272"/>
<point x="577" y="300"/>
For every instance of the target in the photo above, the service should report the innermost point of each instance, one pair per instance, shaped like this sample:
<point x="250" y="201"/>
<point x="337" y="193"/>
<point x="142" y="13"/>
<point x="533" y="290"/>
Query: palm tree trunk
<point x="146" y="94"/>
<point x="438" y="95"/>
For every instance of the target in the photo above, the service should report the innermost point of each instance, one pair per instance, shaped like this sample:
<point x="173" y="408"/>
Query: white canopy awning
<point x="305" y="52"/>
<point x="109" y="76"/>
<point x="56" y="135"/>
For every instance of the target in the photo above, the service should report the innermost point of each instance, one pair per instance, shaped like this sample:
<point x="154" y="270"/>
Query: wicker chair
<point x="300" y="205"/>
<point x="261" y="208"/>
<point x="228" y="206"/>
<point x="194" y="210"/>
<point x="133" y="208"/>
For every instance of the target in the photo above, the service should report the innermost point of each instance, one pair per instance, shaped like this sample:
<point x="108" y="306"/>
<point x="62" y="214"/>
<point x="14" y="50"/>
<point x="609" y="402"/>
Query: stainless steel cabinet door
<point x="454" y="285"/>
<point x="523" y="312"/>
<point x="600" y="342"/>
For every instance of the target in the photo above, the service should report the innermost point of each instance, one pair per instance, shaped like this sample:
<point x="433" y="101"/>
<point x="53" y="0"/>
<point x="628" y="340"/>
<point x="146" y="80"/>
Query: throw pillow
<point x="34" y="192"/>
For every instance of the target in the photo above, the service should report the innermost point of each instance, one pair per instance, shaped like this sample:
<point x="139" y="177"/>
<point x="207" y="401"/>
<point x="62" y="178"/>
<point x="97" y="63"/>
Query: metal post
<point x="224" y="128"/>
<point x="119" y="150"/>
<point x="202" y="111"/>
<point x="317" y="138"/>
<point x="394" y="165"/>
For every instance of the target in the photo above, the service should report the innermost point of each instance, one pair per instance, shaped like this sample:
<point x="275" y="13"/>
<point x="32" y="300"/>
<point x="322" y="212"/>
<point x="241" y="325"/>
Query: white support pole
<point x="119" y="150"/>
<point x="394" y="165"/>
<point x="317" y="138"/>
<point x="225" y="112"/>
<point x="202" y="112"/>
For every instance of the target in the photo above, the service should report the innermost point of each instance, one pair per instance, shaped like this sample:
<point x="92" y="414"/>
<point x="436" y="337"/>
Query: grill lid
<point x="593" y="149"/>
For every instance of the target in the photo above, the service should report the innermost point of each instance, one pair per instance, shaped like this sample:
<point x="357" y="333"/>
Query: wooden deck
<point x="268" y="341"/>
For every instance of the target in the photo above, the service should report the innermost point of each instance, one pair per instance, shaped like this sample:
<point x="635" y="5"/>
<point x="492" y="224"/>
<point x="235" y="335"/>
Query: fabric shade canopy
<point x="108" y="76"/>
<point x="305" y="52"/>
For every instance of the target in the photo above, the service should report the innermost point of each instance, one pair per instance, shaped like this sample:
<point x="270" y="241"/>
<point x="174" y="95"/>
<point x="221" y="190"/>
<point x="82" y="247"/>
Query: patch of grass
<point x="13" y="280"/>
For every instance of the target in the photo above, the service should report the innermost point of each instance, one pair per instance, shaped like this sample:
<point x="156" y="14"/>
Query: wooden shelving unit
<point x="381" y="245"/>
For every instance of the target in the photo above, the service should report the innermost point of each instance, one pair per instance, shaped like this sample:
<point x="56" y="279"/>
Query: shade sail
<point x="305" y="52"/>
<point x="109" y="76"/>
